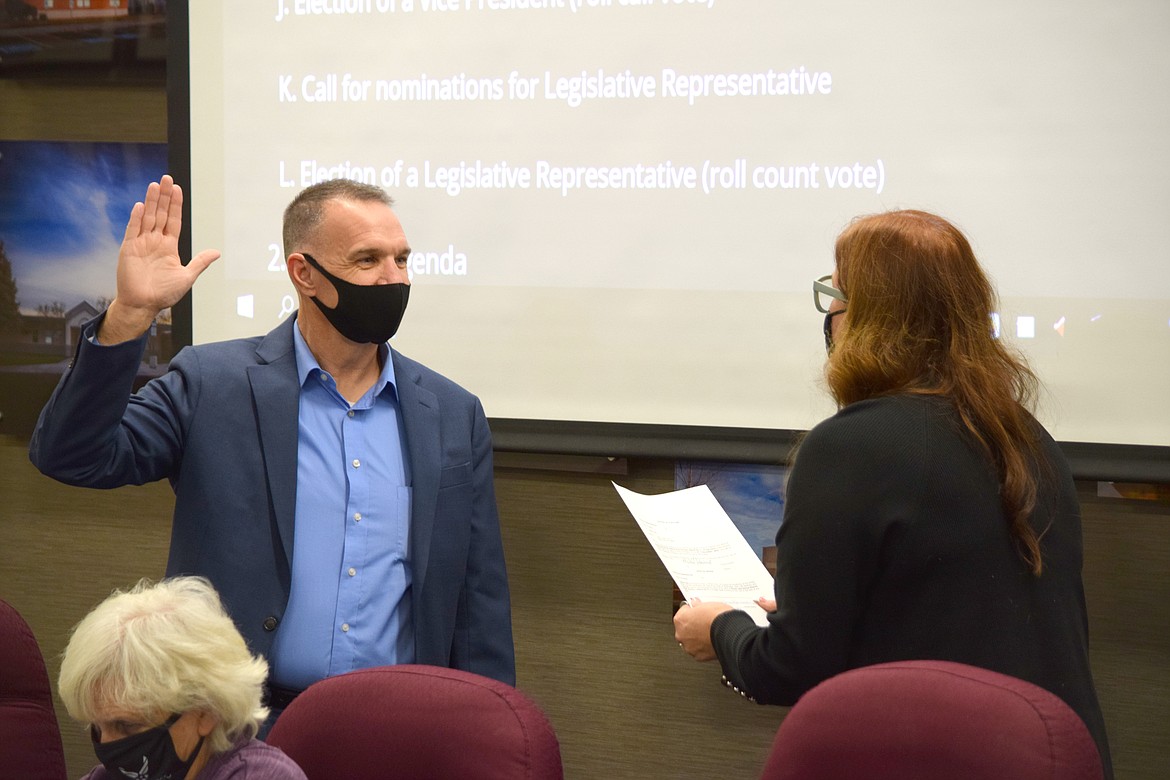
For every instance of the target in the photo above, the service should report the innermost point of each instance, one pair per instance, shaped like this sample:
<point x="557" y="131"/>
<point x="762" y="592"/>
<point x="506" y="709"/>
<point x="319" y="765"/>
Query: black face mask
<point x="148" y="755"/>
<point x="365" y="313"/>
<point x="828" y="328"/>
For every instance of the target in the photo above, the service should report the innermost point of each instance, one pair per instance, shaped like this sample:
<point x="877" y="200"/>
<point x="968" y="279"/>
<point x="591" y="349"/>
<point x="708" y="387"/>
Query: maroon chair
<point x="923" y="720"/>
<point x="414" y="722"/>
<point x="30" y="737"/>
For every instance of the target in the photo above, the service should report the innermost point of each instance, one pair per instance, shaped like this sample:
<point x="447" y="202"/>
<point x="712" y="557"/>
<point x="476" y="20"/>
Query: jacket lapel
<point x="276" y="400"/>
<point x="420" y="421"/>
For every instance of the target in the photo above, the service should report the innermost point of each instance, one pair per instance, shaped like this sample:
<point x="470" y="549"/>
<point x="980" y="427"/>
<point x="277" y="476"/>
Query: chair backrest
<point x="417" y="722"/>
<point x="30" y="737"/>
<point x="914" y="720"/>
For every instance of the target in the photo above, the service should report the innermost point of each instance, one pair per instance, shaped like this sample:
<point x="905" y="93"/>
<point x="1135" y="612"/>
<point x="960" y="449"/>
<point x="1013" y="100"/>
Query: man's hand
<point x="151" y="276"/>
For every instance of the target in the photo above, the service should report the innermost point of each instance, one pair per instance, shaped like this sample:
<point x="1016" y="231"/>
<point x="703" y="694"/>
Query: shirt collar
<point x="307" y="365"/>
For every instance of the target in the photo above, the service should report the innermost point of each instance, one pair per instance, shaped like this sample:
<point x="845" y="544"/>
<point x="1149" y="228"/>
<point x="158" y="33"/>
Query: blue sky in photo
<point x="752" y="495"/>
<point x="63" y="211"/>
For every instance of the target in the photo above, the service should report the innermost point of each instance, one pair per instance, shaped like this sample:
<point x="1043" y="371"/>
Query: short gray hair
<point x="307" y="209"/>
<point x="165" y="648"/>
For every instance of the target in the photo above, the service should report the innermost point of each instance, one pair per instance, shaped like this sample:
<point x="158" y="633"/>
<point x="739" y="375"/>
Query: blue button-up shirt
<point x="349" y="607"/>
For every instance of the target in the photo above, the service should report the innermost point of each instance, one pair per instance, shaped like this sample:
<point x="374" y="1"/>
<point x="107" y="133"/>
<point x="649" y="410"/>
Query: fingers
<point x="160" y="212"/>
<point x="134" y="224"/>
<point x="201" y="261"/>
<point x="150" y="206"/>
<point x="156" y="213"/>
<point x="174" y="221"/>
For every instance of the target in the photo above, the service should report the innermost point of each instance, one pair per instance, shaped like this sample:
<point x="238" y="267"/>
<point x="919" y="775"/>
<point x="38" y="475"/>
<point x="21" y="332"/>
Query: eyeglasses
<point x="823" y="290"/>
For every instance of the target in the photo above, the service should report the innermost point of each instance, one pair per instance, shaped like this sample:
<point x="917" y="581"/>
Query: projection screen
<point x="617" y="207"/>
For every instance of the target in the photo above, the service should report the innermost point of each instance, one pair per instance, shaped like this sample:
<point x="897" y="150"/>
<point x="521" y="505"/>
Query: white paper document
<point x="702" y="549"/>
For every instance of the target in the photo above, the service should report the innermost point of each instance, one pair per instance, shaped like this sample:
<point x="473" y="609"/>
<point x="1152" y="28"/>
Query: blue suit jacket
<point x="221" y="425"/>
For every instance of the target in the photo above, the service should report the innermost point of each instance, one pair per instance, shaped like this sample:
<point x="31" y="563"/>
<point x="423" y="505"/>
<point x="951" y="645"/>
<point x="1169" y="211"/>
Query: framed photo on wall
<point x="63" y="211"/>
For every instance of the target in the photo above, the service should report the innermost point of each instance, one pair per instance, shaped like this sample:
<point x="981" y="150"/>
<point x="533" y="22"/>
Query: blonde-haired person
<point x="169" y="689"/>
<point x="932" y="517"/>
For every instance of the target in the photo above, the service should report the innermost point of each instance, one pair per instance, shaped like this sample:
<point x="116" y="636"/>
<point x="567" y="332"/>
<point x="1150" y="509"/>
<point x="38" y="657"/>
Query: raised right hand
<point x="151" y="276"/>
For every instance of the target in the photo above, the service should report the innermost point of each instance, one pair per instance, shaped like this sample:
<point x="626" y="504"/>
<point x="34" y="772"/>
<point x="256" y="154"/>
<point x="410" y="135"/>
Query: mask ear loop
<point x="194" y="753"/>
<point x="312" y="261"/>
<point x="828" y="328"/>
<point x="189" y="760"/>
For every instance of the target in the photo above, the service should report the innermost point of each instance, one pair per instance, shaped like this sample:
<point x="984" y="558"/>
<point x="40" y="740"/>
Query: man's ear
<point x="299" y="273"/>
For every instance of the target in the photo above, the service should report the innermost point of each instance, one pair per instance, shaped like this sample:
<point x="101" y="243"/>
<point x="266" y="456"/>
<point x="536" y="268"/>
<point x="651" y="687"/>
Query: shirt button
<point x="352" y="571"/>
<point x="345" y="626"/>
<point x="356" y="463"/>
<point x="350" y="413"/>
<point x="357" y="517"/>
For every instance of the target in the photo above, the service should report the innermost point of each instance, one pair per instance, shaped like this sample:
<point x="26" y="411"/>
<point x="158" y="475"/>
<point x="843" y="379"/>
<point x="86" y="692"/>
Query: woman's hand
<point x="692" y="627"/>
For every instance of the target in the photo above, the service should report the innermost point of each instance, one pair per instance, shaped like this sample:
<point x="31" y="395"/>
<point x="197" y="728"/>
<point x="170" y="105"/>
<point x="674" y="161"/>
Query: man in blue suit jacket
<point x="338" y="494"/>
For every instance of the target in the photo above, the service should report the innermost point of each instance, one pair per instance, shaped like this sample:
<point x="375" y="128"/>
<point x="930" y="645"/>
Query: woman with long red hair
<point x="932" y="517"/>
